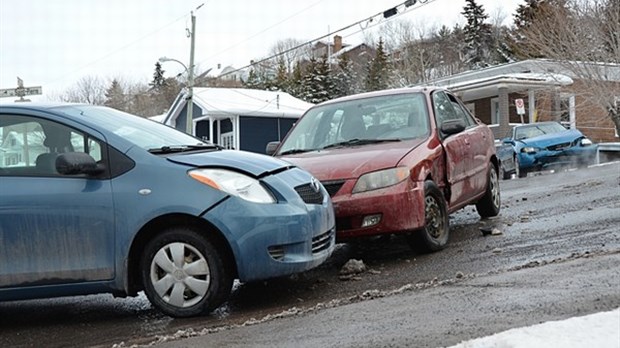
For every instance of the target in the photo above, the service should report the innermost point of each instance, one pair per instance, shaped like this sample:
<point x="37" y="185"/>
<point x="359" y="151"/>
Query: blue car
<point x="543" y="145"/>
<point x="93" y="200"/>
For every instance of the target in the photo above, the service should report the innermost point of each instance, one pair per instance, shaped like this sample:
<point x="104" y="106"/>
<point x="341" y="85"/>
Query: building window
<point x="567" y="110"/>
<point x="495" y="111"/>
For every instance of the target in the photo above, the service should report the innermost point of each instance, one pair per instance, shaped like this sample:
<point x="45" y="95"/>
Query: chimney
<point x="337" y="43"/>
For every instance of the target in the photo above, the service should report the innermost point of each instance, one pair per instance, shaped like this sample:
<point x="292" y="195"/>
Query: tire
<point x="520" y="173"/>
<point x="183" y="273"/>
<point x="489" y="205"/>
<point x="435" y="233"/>
<point x="503" y="173"/>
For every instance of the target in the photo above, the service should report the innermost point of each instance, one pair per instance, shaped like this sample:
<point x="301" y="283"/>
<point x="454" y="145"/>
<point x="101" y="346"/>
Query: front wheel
<point x="489" y="204"/>
<point x="184" y="274"/>
<point x="434" y="235"/>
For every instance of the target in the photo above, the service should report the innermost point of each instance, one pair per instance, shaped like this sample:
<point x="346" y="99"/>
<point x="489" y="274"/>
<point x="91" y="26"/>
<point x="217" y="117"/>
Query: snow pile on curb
<point x="601" y="330"/>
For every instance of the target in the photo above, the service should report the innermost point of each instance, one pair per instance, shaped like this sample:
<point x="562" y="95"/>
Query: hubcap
<point x="434" y="222"/>
<point x="180" y="274"/>
<point x="494" y="182"/>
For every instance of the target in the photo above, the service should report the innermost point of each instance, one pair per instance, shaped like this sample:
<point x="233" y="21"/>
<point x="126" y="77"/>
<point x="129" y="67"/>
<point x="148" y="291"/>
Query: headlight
<point x="586" y="142"/>
<point x="529" y="149"/>
<point x="234" y="183"/>
<point x="380" y="179"/>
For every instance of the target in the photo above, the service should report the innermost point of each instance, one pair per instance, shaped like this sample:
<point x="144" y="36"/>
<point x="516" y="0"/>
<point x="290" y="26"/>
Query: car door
<point x="54" y="229"/>
<point x="457" y="149"/>
<point x="480" y="143"/>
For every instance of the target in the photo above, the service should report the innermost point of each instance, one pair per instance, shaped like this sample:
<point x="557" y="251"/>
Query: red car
<point x="397" y="161"/>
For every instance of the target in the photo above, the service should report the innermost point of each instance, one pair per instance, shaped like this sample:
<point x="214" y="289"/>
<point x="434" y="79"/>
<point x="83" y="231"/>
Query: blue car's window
<point x="142" y="132"/>
<point x="534" y="130"/>
<point x="31" y="145"/>
<point x="363" y="121"/>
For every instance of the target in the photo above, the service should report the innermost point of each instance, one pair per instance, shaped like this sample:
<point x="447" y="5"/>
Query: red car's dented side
<point x="458" y="164"/>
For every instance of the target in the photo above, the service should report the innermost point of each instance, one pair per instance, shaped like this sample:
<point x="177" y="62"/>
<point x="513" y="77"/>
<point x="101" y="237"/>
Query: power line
<point x="262" y="31"/>
<point x="384" y="14"/>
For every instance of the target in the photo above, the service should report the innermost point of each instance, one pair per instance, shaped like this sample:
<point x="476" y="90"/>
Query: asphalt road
<point x="557" y="256"/>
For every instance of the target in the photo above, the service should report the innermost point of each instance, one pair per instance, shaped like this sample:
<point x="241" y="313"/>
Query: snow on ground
<point x="600" y="330"/>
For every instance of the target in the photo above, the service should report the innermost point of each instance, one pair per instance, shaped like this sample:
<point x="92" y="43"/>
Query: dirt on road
<point x="549" y="255"/>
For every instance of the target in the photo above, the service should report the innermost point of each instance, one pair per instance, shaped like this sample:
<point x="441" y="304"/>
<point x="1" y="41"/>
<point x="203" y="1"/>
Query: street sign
<point x="520" y="106"/>
<point x="20" y="91"/>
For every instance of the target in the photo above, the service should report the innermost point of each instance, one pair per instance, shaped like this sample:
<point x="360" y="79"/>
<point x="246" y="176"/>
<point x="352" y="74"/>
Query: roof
<point x="242" y="102"/>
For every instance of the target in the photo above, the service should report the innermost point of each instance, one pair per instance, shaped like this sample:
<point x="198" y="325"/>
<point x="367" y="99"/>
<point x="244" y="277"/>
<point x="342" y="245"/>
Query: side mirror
<point x="452" y="127"/>
<point x="508" y="141"/>
<point x="271" y="148"/>
<point x="72" y="163"/>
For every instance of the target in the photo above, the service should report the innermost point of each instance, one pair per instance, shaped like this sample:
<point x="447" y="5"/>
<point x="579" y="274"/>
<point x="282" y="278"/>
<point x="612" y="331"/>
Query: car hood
<point x="351" y="162"/>
<point x="552" y="139"/>
<point x="252" y="163"/>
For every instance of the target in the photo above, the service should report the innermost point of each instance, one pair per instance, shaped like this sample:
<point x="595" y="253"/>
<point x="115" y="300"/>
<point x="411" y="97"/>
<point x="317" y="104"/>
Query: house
<point x="237" y="118"/>
<point x="548" y="89"/>
<point x="12" y="149"/>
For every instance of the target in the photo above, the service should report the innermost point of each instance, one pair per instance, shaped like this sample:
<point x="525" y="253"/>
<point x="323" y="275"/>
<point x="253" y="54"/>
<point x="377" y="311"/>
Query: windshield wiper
<point x="293" y="151"/>
<point x="360" y="142"/>
<point x="182" y="148"/>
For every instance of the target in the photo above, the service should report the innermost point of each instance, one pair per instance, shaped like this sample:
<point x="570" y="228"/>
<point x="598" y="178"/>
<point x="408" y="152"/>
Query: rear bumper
<point x="400" y="207"/>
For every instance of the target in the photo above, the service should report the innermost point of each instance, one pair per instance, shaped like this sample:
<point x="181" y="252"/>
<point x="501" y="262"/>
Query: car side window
<point x="461" y="111"/>
<point x="444" y="110"/>
<point x="29" y="146"/>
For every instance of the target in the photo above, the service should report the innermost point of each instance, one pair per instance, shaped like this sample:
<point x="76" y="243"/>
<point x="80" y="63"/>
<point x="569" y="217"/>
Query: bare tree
<point x="287" y="54"/>
<point x="583" y="36"/>
<point x="89" y="89"/>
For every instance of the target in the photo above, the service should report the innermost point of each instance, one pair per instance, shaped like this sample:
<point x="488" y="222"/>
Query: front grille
<point x="309" y="195"/>
<point x="333" y="187"/>
<point x="321" y="242"/>
<point x="558" y="147"/>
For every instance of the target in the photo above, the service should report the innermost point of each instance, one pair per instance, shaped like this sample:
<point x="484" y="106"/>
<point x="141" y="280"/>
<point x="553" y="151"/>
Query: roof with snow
<point x="241" y="102"/>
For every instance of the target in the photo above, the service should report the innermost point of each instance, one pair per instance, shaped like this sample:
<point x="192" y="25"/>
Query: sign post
<point x="520" y="108"/>
<point x="20" y="91"/>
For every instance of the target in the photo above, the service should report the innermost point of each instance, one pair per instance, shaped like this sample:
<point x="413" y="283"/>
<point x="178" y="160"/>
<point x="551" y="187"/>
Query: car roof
<point x="39" y="105"/>
<point x="393" y="91"/>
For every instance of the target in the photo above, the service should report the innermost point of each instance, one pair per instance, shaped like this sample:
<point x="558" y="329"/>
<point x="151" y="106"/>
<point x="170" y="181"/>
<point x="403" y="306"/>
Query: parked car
<point x="397" y="161"/>
<point x="95" y="200"/>
<point x="543" y="145"/>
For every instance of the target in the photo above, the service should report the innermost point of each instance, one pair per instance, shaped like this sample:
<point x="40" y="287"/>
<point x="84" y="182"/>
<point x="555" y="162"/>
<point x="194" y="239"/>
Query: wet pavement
<point x="546" y="220"/>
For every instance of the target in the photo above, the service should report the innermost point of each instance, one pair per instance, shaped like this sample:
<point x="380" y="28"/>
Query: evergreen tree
<point x="115" y="96"/>
<point x="317" y="81"/>
<point x="345" y="78"/>
<point x="477" y="35"/>
<point x="378" y="72"/>
<point x="254" y="81"/>
<point x="295" y="83"/>
<point x="281" y="80"/>
<point x="158" y="77"/>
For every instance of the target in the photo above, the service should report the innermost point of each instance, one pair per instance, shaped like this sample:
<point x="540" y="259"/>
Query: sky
<point x="54" y="43"/>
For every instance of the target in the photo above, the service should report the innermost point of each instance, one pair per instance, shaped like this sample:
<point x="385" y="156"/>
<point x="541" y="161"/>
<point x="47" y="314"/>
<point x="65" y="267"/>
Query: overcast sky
<point x="55" y="43"/>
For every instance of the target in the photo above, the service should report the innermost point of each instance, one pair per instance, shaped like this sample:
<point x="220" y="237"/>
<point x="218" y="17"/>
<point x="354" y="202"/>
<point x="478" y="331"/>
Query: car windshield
<point x="534" y="130"/>
<point x="359" y="122"/>
<point x="142" y="132"/>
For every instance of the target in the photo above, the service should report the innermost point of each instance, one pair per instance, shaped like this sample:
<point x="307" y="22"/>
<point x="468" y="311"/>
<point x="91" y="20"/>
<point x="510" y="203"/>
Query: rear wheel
<point x="504" y="175"/>
<point x="489" y="204"/>
<point x="184" y="274"/>
<point x="518" y="171"/>
<point x="434" y="235"/>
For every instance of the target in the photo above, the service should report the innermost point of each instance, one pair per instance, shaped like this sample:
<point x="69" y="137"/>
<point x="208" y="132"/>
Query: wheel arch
<point x="158" y="226"/>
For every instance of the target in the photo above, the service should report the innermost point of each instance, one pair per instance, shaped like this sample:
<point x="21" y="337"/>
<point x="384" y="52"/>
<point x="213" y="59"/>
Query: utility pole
<point x="189" y="127"/>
